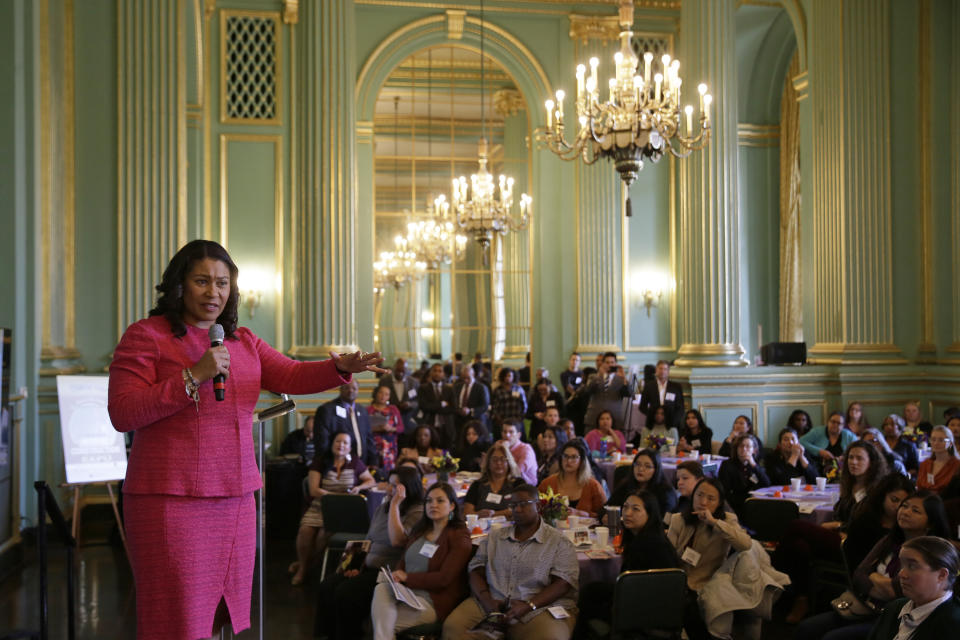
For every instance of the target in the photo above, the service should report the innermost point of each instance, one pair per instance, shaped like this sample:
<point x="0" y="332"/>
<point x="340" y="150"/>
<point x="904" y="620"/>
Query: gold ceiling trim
<point x="586" y="28"/>
<point x="758" y="135"/>
<point x="455" y="18"/>
<point x="291" y="11"/>
<point x="508" y="102"/>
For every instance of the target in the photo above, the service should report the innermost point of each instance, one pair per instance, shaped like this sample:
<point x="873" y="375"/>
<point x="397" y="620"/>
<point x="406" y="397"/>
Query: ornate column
<point x="598" y="212"/>
<point x="326" y="191"/>
<point x="954" y="348"/>
<point x="850" y="93"/>
<point x="708" y="286"/>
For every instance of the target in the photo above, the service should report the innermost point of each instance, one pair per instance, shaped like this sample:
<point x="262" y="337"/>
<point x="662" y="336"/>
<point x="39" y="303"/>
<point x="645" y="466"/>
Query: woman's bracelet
<point x="192" y="388"/>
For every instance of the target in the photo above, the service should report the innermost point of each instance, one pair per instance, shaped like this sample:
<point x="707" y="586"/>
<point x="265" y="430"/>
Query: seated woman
<point x="893" y="460"/>
<point x="473" y="443"/>
<point x="386" y="423"/>
<point x="426" y="446"/>
<point x="703" y="535"/>
<point x="741" y="474"/>
<point x="658" y="429"/>
<point x="804" y="541"/>
<point x="876" y="579"/>
<point x="876" y="516"/>
<point x="498" y="477"/>
<point x="603" y="430"/>
<point x="800" y="422"/>
<point x="549" y="443"/>
<point x="647" y="475"/>
<point x="344" y="600"/>
<point x="856" y="419"/>
<point x="433" y="565"/>
<point x="543" y="396"/>
<point x="929" y="567"/>
<point x="789" y="461"/>
<point x="695" y="435"/>
<point x="828" y="443"/>
<point x="689" y="473"/>
<point x="645" y="546"/>
<point x="741" y="425"/>
<point x="575" y="480"/>
<point x="331" y="472"/>
<point x="937" y="471"/>
<point x="892" y="428"/>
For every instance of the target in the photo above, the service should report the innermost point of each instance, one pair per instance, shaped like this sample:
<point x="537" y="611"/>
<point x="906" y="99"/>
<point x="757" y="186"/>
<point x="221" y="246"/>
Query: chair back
<point x="768" y="519"/>
<point x="344" y="513"/>
<point x="649" y="601"/>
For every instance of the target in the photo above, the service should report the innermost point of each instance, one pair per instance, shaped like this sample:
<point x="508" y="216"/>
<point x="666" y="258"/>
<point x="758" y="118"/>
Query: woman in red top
<point x="188" y="507"/>
<point x="938" y="470"/>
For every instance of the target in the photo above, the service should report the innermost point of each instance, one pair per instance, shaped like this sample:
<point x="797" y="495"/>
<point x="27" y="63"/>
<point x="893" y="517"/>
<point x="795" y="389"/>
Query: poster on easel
<point x="93" y="451"/>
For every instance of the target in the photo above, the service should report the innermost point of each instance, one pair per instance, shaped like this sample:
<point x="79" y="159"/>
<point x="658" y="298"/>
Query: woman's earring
<point x="179" y="291"/>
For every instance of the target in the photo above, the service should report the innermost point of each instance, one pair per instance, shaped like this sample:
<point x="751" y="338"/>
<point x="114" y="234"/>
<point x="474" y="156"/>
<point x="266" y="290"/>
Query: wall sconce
<point x="649" y="286"/>
<point x="253" y="283"/>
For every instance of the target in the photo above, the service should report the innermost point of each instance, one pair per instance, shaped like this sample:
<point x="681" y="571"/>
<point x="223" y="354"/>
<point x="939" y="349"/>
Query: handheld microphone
<point x="219" y="382"/>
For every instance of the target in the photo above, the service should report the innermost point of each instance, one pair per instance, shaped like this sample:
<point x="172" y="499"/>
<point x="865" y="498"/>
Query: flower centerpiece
<point x="914" y="435"/>
<point x="553" y="506"/>
<point x="831" y="470"/>
<point x="656" y="442"/>
<point x="446" y="465"/>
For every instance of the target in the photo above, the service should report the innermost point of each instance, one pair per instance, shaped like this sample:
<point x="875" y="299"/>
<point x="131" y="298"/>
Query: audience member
<point x="893" y="460"/>
<point x="343" y="602"/>
<point x="703" y="535"/>
<point x="604" y="430"/>
<point x="426" y="446"/>
<point x="953" y="423"/>
<point x="741" y="425"/>
<point x="524" y="585"/>
<point x="333" y="471"/>
<point x="403" y="392"/>
<point x="472" y="399"/>
<point x="789" y="461"/>
<point x="656" y="428"/>
<point x="522" y="452"/>
<point x="856" y="419"/>
<point x="437" y="404"/>
<point x="507" y="401"/>
<point x="663" y="393"/>
<point x="342" y="415"/>
<point x="892" y="427"/>
<point x="740" y="474"/>
<point x="473" y="443"/>
<point x="647" y="475"/>
<point x="421" y="374"/>
<point x="936" y="471"/>
<point x="573" y="378"/>
<point x="875" y="516"/>
<point x="915" y="424"/>
<point x="567" y="426"/>
<point x="607" y="390"/>
<point x="575" y="480"/>
<point x="523" y="374"/>
<point x="930" y="611"/>
<point x="549" y="444"/>
<point x="432" y="565"/>
<point x="828" y="443"/>
<point x="300" y="442"/>
<point x="800" y="422"/>
<point x="498" y="477"/>
<point x="543" y="398"/>
<point x="695" y="434"/>
<point x="386" y="423"/>
<point x="689" y="473"/>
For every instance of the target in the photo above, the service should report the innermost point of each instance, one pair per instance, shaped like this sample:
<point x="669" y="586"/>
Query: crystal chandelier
<point x="484" y="207"/>
<point x="639" y="120"/>
<point x="435" y="240"/>
<point x="396" y="268"/>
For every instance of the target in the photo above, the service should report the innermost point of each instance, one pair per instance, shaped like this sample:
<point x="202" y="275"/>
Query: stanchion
<point x="47" y="504"/>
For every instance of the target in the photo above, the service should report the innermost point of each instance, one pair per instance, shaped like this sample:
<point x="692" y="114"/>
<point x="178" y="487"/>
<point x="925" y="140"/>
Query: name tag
<point x="515" y="394"/>
<point x="860" y="495"/>
<point x="420" y="414"/>
<point x="691" y="556"/>
<point x="412" y="393"/>
<point x="636" y="398"/>
<point x="930" y="478"/>
<point x="551" y="403"/>
<point x="670" y="397"/>
<point x="443" y="403"/>
<point x="341" y="412"/>
<point x="577" y="380"/>
<point x="695" y="444"/>
<point x="423" y="460"/>
<point x="494" y="498"/>
<point x="428" y="549"/>
<point x="753" y="478"/>
<point x="558" y="612"/>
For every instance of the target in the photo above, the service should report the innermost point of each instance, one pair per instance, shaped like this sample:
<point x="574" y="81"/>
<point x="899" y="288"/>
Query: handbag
<point x="849" y="607"/>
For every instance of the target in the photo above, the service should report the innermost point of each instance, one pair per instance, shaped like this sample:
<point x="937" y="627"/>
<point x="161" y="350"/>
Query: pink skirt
<point x="188" y="553"/>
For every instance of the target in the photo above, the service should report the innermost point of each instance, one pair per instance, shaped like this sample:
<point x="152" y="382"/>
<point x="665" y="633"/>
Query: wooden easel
<point x="77" y="488"/>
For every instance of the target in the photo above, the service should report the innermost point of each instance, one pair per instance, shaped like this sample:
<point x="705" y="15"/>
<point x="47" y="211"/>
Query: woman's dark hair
<point x="719" y="513"/>
<point x="937" y="553"/>
<point x="692" y="467"/>
<point x="585" y="470"/>
<point x="434" y="438"/>
<point x="780" y="435"/>
<point x="560" y="436"/>
<point x="410" y="479"/>
<point x="613" y="423"/>
<point x="871" y="510"/>
<point x="792" y="420"/>
<point x="545" y="381"/>
<point x="483" y="436"/>
<point x="735" y="449"/>
<point x="654" y="518"/>
<point x="502" y="375"/>
<point x="864" y="423"/>
<point x="748" y="421"/>
<point x="170" y="300"/>
<point x="456" y="516"/>
<point x="656" y="481"/>
<point x="937" y="522"/>
<point x="326" y="458"/>
<point x="877" y="468"/>
<point x="701" y="425"/>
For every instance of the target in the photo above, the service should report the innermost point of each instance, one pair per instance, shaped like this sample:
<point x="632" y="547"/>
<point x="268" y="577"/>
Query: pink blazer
<point x="178" y="450"/>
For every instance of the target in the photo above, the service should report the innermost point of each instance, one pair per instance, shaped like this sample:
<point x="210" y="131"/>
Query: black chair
<point x="768" y="519"/>
<point x="649" y="603"/>
<point x="345" y="518"/>
<point x="426" y="631"/>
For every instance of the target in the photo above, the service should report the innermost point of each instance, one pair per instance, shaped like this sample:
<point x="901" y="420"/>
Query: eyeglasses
<point x="571" y="457"/>
<point x="522" y="503"/>
<point x="497" y="459"/>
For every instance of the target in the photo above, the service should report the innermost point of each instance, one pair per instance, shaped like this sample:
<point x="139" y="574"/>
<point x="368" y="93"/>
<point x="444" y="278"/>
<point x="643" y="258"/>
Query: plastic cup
<point x="821" y="483"/>
<point x="706" y="458"/>
<point x="603" y="536"/>
<point x="795" y="484"/>
<point x="694" y="454"/>
<point x="616" y="456"/>
<point x="472" y="520"/>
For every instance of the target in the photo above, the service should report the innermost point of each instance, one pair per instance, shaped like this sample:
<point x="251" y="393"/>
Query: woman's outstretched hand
<point x="358" y="362"/>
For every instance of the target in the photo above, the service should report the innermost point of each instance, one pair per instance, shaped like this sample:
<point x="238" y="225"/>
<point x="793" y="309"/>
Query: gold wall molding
<point x="455" y="18"/>
<point x="291" y="11"/>
<point x="927" y="301"/>
<point x="790" y="299"/>
<point x="227" y="14"/>
<point x="955" y="180"/>
<point x="801" y="84"/>
<point x="584" y="28"/>
<point x="758" y="135"/>
<point x="508" y="102"/>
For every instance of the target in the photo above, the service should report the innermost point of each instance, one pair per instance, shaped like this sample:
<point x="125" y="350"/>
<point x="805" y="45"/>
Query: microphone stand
<point x="270" y="413"/>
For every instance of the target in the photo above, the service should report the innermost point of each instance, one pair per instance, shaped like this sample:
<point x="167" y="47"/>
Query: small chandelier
<point x="484" y="207"/>
<point x="435" y="240"/>
<point x="640" y="119"/>
<point x="397" y="268"/>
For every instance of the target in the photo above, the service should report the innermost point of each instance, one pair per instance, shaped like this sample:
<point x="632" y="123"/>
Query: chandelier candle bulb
<point x="658" y="79"/>
<point x="594" y="63"/>
<point x="701" y="89"/>
<point x="689" y="111"/>
<point x="549" y="105"/>
<point x="647" y="59"/>
<point x="560" y="96"/>
<point x="581" y="70"/>
<point x="707" y="99"/>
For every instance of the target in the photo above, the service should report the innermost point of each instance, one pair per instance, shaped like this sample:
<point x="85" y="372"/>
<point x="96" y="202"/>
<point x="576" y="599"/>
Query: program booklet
<point x="402" y="592"/>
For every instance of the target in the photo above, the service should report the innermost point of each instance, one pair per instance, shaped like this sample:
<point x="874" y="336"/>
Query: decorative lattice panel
<point x="658" y="45"/>
<point x="250" y="68"/>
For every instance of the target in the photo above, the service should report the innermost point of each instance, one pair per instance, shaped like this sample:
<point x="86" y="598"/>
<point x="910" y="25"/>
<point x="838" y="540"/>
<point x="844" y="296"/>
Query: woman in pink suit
<point x="188" y="494"/>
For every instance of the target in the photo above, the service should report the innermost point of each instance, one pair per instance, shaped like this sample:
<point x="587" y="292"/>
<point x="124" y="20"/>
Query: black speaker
<point x="784" y="353"/>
